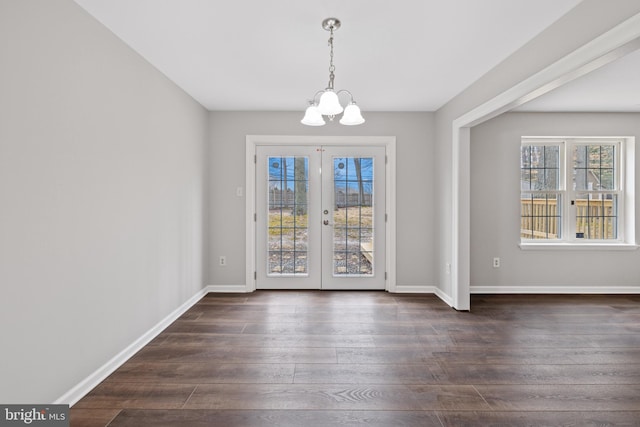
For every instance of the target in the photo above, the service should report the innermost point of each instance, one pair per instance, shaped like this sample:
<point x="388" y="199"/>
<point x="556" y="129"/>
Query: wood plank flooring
<point x="320" y="358"/>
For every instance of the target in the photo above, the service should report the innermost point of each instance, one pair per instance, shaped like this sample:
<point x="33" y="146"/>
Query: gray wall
<point x="570" y="32"/>
<point x="495" y="206"/>
<point x="415" y="188"/>
<point x="101" y="197"/>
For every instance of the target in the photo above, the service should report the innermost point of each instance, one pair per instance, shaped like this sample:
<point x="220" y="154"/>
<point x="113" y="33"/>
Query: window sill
<point x="578" y="246"/>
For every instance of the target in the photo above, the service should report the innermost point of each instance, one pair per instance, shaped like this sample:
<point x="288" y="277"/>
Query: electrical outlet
<point x="223" y="261"/>
<point x="496" y="262"/>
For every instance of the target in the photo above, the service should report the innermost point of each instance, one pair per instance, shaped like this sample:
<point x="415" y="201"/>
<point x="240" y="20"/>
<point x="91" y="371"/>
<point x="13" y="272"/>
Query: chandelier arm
<point x="315" y="97"/>
<point x="353" y="101"/>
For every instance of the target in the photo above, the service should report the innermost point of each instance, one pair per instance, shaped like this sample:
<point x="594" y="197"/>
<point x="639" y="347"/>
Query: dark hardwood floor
<point x="307" y="359"/>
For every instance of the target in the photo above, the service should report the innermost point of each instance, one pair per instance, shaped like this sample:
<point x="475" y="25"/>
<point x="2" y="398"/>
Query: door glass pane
<point x="287" y="229"/>
<point x="353" y="216"/>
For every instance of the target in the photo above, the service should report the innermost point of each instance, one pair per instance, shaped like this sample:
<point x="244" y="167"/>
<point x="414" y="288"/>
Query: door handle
<point x="325" y="222"/>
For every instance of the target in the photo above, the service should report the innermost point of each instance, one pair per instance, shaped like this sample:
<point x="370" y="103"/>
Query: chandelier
<point x="329" y="104"/>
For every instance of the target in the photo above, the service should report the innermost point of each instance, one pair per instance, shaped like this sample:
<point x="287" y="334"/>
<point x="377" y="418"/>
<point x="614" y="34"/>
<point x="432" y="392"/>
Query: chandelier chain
<point x="332" y="67"/>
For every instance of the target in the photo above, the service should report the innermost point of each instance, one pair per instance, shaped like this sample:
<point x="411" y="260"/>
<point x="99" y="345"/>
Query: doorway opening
<point x="321" y="213"/>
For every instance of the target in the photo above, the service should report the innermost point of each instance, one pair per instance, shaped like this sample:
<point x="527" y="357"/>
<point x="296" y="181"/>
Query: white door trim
<point x="608" y="47"/>
<point x="252" y="141"/>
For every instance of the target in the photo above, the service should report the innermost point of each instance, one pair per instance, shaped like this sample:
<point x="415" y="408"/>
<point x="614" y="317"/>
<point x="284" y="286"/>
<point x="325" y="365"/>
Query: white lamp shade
<point x="352" y="116"/>
<point x="312" y="117"/>
<point x="329" y="104"/>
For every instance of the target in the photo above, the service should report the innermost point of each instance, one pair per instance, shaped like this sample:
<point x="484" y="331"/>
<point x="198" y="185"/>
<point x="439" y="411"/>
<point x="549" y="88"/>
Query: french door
<point x="320" y="221"/>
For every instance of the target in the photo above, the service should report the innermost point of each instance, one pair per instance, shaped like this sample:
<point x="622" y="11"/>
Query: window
<point x="541" y="192"/>
<point x="571" y="190"/>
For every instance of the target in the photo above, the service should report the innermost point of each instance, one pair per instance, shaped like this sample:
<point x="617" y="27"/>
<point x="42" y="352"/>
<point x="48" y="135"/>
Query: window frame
<point x="623" y="189"/>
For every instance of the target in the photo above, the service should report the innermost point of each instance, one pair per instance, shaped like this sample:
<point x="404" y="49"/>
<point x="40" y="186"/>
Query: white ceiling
<point x="613" y="88"/>
<point x="401" y="55"/>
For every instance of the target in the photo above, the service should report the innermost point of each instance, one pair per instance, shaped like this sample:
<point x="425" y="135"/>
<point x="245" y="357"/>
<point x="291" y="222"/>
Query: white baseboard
<point x="415" y="289"/>
<point x="555" y="289"/>
<point x="444" y="297"/>
<point x="85" y="386"/>
<point x="423" y="289"/>
<point x="227" y="288"/>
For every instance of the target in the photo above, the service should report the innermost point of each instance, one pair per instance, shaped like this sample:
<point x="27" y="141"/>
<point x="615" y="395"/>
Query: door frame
<point x="253" y="141"/>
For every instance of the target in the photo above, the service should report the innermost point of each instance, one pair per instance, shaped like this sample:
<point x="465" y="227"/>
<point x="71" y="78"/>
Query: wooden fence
<point x="279" y="199"/>
<point x="540" y="219"/>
